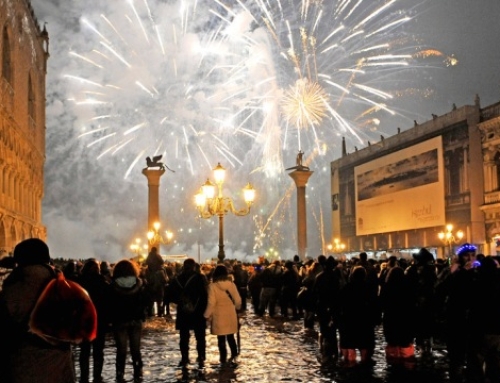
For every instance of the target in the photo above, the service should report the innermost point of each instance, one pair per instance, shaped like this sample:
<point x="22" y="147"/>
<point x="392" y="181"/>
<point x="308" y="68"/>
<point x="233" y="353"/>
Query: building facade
<point x="400" y="193"/>
<point x="23" y="68"/>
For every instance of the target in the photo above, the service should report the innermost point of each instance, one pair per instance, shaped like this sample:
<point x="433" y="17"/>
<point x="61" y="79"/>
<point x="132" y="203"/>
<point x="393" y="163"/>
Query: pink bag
<point x="64" y="313"/>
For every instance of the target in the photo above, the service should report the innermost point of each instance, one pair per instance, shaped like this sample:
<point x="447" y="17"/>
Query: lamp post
<point x="155" y="237"/>
<point x="137" y="248"/>
<point x="337" y="246"/>
<point x="209" y="204"/>
<point x="449" y="238"/>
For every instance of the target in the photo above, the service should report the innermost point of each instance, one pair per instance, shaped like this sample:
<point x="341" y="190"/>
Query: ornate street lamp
<point x="155" y="237"/>
<point x="209" y="204"/>
<point x="337" y="246"/>
<point x="449" y="238"/>
<point x="137" y="249"/>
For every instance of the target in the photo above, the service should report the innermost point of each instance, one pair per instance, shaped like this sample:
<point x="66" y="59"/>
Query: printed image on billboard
<point x="403" y="190"/>
<point x="410" y="172"/>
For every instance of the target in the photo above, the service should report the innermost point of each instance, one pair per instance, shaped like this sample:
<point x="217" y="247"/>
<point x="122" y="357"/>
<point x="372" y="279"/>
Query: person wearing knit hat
<point x="467" y="255"/>
<point x="457" y="290"/>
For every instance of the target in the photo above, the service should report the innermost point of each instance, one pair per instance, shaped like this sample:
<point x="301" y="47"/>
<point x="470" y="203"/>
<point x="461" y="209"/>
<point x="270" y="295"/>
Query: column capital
<point x="153" y="175"/>
<point x="301" y="177"/>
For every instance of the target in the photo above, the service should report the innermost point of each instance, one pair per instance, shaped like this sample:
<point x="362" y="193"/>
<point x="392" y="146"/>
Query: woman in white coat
<point x="223" y="301"/>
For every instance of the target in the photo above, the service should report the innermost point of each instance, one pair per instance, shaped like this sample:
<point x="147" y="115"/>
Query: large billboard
<point x="401" y="191"/>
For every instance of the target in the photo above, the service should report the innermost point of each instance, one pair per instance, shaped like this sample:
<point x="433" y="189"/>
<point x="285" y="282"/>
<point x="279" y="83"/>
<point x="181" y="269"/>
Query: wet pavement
<point x="272" y="350"/>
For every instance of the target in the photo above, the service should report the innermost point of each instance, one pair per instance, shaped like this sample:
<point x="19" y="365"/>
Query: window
<point x="6" y="57"/>
<point x="31" y="101"/>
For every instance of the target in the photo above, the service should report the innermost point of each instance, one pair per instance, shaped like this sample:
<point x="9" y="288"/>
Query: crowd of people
<point x="414" y="301"/>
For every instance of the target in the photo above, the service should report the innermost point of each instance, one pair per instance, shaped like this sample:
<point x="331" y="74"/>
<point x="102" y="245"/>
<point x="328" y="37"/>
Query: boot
<point x="120" y="377"/>
<point x="120" y="371"/>
<point x="98" y="365"/>
<point x="137" y="371"/>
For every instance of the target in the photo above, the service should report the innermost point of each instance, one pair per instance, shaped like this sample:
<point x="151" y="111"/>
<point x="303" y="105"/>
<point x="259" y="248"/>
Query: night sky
<point x="95" y="204"/>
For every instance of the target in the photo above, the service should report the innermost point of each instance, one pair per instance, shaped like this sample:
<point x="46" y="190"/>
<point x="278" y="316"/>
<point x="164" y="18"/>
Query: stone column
<point x="153" y="176"/>
<point x="301" y="175"/>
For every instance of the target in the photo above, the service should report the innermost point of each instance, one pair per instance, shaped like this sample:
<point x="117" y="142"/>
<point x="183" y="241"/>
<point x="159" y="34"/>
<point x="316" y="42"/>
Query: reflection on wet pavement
<point x="272" y="350"/>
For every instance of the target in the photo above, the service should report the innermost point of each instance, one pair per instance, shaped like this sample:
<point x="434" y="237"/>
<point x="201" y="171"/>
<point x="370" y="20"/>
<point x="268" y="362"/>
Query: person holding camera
<point x="458" y="288"/>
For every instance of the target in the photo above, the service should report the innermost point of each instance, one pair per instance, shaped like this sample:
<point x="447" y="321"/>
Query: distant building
<point x="23" y="68"/>
<point x="396" y="195"/>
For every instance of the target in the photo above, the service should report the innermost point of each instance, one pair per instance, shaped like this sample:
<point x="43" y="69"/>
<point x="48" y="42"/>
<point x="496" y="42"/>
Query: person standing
<point x="483" y="350"/>
<point x="98" y="288"/>
<point x="358" y="316"/>
<point x="241" y="281"/>
<point x="255" y="286"/>
<point x="399" y="307"/>
<point x="156" y="278"/>
<point x="326" y="292"/>
<point x="271" y="287"/>
<point x="423" y="277"/>
<point x="25" y="357"/>
<point x="128" y="312"/>
<point x="189" y="290"/>
<point x="223" y="302"/>
<point x="457" y="287"/>
<point x="289" y="289"/>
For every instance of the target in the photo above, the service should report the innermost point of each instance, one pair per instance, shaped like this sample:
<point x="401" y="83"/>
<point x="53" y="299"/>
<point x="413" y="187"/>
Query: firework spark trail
<point x="250" y="81"/>
<point x="235" y="71"/>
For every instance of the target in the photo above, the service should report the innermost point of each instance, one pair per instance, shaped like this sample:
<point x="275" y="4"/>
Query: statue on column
<point x="299" y="165"/>
<point x="155" y="163"/>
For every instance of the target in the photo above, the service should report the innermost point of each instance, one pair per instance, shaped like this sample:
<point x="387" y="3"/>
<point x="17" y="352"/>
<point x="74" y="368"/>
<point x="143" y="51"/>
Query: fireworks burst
<point x="249" y="81"/>
<point x="305" y="104"/>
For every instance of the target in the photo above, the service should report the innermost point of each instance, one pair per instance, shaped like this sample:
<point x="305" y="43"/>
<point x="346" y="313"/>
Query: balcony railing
<point x="492" y="197"/>
<point x="490" y="112"/>
<point x="458" y="199"/>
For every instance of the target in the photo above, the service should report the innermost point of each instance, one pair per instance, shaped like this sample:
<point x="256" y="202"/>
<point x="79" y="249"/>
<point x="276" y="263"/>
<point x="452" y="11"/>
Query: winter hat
<point x="466" y="248"/>
<point x="424" y="256"/>
<point x="32" y="251"/>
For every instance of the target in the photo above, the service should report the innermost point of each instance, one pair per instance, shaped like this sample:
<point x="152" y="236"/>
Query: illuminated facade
<point x="397" y="194"/>
<point x="23" y="68"/>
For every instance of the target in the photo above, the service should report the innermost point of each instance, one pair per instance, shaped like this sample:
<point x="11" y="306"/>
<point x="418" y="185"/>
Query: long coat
<point x="194" y="286"/>
<point x="221" y="308"/>
<point x="26" y="358"/>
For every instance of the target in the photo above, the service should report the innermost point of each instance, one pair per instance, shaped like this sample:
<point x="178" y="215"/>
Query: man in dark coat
<point x="189" y="290"/>
<point x="458" y="289"/>
<point x="422" y="276"/>
<point x="483" y="354"/>
<point x="241" y="281"/>
<point x="25" y="357"/>
<point x="156" y="278"/>
<point x="326" y="292"/>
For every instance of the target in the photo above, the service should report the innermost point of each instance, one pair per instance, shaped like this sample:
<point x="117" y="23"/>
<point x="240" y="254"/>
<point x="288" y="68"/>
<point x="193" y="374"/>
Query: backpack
<point x="64" y="313"/>
<point x="186" y="305"/>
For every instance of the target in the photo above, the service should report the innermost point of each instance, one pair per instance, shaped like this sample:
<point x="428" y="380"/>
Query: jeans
<point x="97" y="346"/>
<point x="268" y="299"/>
<point x="130" y="332"/>
<point x="221" y="343"/>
